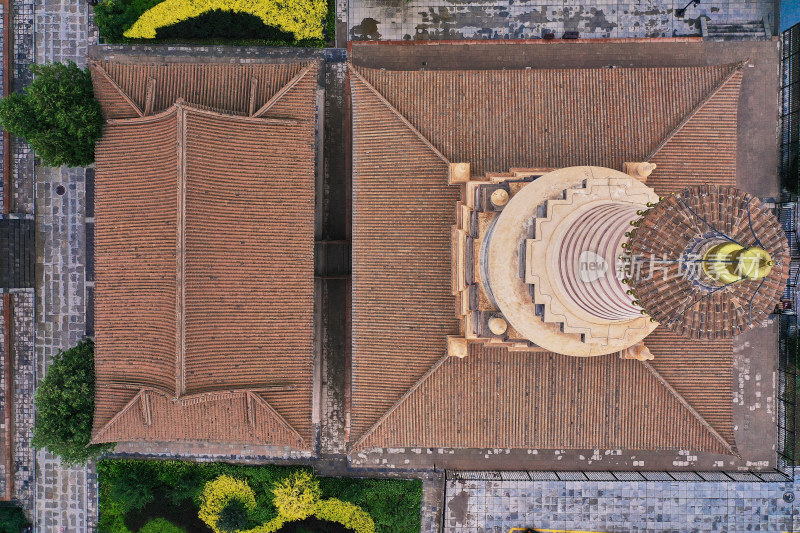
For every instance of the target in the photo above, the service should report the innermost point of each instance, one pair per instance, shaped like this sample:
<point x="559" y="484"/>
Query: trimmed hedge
<point x="345" y="513"/>
<point x="219" y="494"/>
<point x="115" y="17"/>
<point x="393" y="504"/>
<point x="296" y="497"/>
<point x="303" y="18"/>
<point x="223" y="25"/>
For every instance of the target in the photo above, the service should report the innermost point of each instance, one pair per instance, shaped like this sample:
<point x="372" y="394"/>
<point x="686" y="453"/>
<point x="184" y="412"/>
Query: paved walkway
<point x="681" y="507"/>
<point x="65" y="497"/>
<point x="22" y="359"/>
<point x="531" y="19"/>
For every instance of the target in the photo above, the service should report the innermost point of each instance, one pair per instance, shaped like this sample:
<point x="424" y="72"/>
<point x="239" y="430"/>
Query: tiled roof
<point x="402" y="213"/>
<point x="122" y="88"/>
<point x="700" y="371"/>
<point x="237" y="418"/>
<point x="405" y="393"/>
<point x="496" y="398"/>
<point x="204" y="272"/>
<point x="502" y="119"/>
<point x="671" y="293"/>
<point x="702" y="148"/>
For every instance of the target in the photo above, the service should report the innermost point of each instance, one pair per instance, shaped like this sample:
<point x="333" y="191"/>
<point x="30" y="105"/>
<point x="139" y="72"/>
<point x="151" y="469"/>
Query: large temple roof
<point x="204" y="255"/>
<point x="407" y="127"/>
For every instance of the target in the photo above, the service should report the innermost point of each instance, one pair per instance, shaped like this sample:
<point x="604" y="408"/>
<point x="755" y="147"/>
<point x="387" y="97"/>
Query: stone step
<point x="736" y="27"/>
<point x="735" y="31"/>
<point x="736" y="37"/>
<point x="17" y="252"/>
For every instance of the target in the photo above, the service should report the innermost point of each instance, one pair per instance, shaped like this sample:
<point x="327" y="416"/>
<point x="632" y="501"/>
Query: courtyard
<point x="343" y="435"/>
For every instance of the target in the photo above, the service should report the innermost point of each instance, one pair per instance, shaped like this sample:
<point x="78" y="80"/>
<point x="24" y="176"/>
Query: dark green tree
<point x="160" y="525"/>
<point x="134" y="486"/>
<point x="65" y="406"/>
<point x="57" y="114"/>
<point x="233" y="517"/>
<point x="12" y="519"/>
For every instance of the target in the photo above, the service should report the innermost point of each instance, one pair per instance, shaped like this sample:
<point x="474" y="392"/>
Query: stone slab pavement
<point x="24" y="368"/>
<point x="680" y="507"/>
<point x="66" y="497"/>
<point x="531" y="19"/>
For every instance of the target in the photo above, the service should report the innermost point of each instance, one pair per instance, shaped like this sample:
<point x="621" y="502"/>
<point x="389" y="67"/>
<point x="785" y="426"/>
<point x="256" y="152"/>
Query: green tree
<point x="160" y="525"/>
<point x="233" y="517"/>
<point x="57" y="114"/>
<point x="65" y="406"/>
<point x="12" y="519"/>
<point x="134" y="487"/>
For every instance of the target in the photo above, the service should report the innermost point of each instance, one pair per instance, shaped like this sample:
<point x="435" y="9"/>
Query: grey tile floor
<point x="524" y="19"/>
<point x="498" y="506"/>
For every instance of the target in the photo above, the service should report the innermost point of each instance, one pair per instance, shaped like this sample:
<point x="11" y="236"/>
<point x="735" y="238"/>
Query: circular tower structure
<point x="588" y="261"/>
<point x="708" y="262"/>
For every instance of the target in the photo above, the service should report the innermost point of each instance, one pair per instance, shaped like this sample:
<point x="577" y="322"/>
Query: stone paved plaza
<point x="617" y="507"/>
<point x="531" y="19"/>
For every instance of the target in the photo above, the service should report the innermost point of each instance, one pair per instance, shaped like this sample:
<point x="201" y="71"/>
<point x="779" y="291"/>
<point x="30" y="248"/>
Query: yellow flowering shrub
<point x="349" y="515"/>
<point x="296" y="495"/>
<point x="216" y="495"/>
<point x="303" y="18"/>
<point x="270" y="527"/>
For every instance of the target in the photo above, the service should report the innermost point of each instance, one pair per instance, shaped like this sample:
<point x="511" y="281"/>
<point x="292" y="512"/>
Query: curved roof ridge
<point x="264" y="404"/>
<point x="735" y="68"/>
<point x="145" y="119"/>
<point x="397" y="113"/>
<point x="283" y="90"/>
<point x="202" y="395"/>
<point x="678" y="396"/>
<point x="133" y="401"/>
<point x="95" y="66"/>
<point x="232" y="117"/>
<point x="197" y="109"/>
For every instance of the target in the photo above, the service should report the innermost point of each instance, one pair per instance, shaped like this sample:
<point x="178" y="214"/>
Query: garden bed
<point x="114" y="17"/>
<point x="132" y="493"/>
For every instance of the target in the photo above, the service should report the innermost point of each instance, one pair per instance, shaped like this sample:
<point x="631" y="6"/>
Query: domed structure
<point x="708" y="262"/>
<point x="567" y="260"/>
<point x="567" y="228"/>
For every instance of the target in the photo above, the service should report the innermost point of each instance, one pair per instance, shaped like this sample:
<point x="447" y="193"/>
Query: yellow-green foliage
<point x="270" y="527"/>
<point x="304" y="18"/>
<point x="216" y="495"/>
<point x="296" y="495"/>
<point x="349" y="515"/>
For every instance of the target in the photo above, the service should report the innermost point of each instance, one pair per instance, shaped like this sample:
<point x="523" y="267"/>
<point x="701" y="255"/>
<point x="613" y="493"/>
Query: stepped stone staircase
<point x="17" y="252"/>
<point x="750" y="30"/>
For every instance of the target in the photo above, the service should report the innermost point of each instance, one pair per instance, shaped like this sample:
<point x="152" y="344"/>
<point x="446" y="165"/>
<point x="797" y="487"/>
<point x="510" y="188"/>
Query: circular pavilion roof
<point x="666" y="253"/>
<point x="520" y="272"/>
